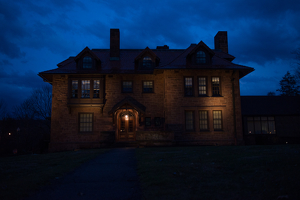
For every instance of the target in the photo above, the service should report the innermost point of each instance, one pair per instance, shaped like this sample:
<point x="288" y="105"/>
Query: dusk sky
<point x="37" y="35"/>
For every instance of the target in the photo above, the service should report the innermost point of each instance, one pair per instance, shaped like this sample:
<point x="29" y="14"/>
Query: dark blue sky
<point x="37" y="35"/>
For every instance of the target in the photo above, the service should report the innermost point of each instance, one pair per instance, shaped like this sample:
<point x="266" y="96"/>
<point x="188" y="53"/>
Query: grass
<point x="220" y="172"/>
<point x="22" y="175"/>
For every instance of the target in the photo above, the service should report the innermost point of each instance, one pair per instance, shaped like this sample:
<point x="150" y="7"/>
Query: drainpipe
<point x="234" y="114"/>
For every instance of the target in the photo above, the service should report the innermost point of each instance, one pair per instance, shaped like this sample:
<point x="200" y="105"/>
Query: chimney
<point x="114" y="44"/>
<point x="221" y="41"/>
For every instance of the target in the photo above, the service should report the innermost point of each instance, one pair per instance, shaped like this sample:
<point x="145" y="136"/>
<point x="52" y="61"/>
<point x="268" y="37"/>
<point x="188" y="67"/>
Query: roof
<point x="128" y="100"/>
<point x="270" y="105"/>
<point x="168" y="59"/>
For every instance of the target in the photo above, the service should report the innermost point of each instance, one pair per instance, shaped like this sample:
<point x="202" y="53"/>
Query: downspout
<point x="234" y="114"/>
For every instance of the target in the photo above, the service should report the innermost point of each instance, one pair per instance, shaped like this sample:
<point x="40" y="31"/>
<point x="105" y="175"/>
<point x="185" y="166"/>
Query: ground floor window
<point x="217" y="118"/>
<point x="85" y="122"/>
<point x="261" y="125"/>
<point x="189" y="120"/>
<point x="203" y="120"/>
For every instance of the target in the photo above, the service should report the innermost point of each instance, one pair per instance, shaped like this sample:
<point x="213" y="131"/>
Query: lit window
<point x="147" y="62"/>
<point x="147" y="86"/>
<point x="189" y="120"/>
<point x="215" y="86"/>
<point x="217" y="118"/>
<point x="74" y="88"/>
<point x="203" y="120"/>
<point x="200" y="57"/>
<point x="85" y="89"/>
<point x="188" y="86"/>
<point x="96" y="88"/>
<point x="86" y="122"/>
<point x="202" y="86"/>
<point x="261" y="125"/>
<point x="127" y="86"/>
<point x="87" y="62"/>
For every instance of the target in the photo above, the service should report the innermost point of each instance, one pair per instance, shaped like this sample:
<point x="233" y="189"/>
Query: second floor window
<point x="188" y="86"/>
<point x="127" y="86"/>
<point x="147" y="86"/>
<point x="87" y="62"/>
<point x="85" y="89"/>
<point x="96" y="88"/>
<point x="74" y="89"/>
<point x="202" y="86"/>
<point x="215" y="86"/>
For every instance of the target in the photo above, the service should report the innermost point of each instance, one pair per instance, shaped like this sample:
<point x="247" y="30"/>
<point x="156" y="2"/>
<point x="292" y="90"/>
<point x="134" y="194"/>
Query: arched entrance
<point x="126" y="126"/>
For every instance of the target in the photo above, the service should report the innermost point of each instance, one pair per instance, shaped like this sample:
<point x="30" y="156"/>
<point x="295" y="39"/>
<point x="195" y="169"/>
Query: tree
<point x="288" y="86"/>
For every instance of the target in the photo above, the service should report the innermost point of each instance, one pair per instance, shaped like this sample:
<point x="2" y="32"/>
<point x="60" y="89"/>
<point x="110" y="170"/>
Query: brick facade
<point x="158" y="117"/>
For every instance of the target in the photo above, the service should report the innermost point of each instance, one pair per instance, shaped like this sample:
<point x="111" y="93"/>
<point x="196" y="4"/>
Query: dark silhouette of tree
<point x="271" y="94"/>
<point x="288" y="86"/>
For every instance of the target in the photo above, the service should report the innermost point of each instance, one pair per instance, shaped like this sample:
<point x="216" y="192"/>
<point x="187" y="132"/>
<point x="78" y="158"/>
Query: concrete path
<point x="111" y="175"/>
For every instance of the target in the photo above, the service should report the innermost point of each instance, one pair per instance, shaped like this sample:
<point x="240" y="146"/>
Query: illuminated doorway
<point x="126" y="126"/>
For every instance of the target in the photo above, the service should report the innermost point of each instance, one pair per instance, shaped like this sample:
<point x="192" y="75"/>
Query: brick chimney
<point x="221" y="41"/>
<point x="114" y="44"/>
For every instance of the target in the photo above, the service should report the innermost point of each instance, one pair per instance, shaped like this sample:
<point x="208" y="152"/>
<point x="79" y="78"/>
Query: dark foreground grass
<point x="220" y="172"/>
<point x="22" y="175"/>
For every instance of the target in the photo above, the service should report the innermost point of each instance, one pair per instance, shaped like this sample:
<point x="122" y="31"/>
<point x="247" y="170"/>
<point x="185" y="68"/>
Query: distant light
<point x="9" y="133"/>
<point x="286" y="142"/>
<point x="249" y="132"/>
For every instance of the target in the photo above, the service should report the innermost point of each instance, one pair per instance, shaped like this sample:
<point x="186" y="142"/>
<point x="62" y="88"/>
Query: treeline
<point x="27" y="128"/>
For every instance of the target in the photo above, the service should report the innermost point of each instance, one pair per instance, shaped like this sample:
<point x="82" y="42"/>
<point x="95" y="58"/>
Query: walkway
<point x="111" y="175"/>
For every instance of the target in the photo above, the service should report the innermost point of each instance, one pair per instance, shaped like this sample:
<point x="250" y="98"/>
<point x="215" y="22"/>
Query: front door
<point x="126" y="126"/>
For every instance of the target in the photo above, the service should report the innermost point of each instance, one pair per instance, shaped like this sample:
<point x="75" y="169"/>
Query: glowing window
<point x="96" y="88"/>
<point x="202" y="85"/>
<point x="203" y="120"/>
<point x="217" y="118"/>
<point x="215" y="86"/>
<point x="85" y="89"/>
<point x="86" y="122"/>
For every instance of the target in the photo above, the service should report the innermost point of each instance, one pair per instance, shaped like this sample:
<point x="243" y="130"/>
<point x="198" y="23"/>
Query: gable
<point x="146" y="60"/>
<point x="201" y="54"/>
<point x="87" y="59"/>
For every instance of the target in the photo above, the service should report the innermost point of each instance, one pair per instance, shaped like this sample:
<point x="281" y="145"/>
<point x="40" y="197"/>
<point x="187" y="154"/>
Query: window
<point x="147" y="62"/>
<point x="96" y="88"/>
<point x="189" y="120"/>
<point x="74" y="89"/>
<point x="147" y="86"/>
<point x="147" y="121"/>
<point x="203" y="120"/>
<point x="85" y="89"/>
<point x="188" y="86"/>
<point x="202" y="86"/>
<point x="200" y="57"/>
<point x="261" y="125"/>
<point x="85" y="122"/>
<point x="215" y="86"/>
<point x="157" y="121"/>
<point x="87" y="62"/>
<point x="217" y="118"/>
<point x="127" y="86"/>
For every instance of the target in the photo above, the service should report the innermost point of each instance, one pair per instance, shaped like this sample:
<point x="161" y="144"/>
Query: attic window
<point x="147" y="62"/>
<point x="200" y="57"/>
<point x="87" y="62"/>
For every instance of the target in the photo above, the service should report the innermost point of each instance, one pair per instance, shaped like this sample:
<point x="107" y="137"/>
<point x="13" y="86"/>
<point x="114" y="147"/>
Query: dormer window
<point x="200" y="57"/>
<point x="147" y="62"/>
<point x="87" y="62"/>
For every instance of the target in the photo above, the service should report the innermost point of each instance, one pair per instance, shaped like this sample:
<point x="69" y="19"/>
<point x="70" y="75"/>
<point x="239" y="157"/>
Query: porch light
<point x="9" y="133"/>
<point x="126" y="117"/>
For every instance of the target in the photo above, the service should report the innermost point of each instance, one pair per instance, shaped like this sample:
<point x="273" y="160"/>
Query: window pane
<point x="74" y="88"/>
<point x="147" y="62"/>
<point x="203" y="120"/>
<point x="127" y="86"/>
<point x="189" y="120"/>
<point x="148" y="86"/>
<point x="216" y="86"/>
<point x="85" y="89"/>
<point x="217" y="118"/>
<point x="202" y="85"/>
<point x="87" y="62"/>
<point x="86" y="122"/>
<point x="188" y="86"/>
<point x="200" y="57"/>
<point x="96" y="88"/>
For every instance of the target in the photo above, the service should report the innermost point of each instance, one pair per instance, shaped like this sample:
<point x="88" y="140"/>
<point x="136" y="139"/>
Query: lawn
<point x="220" y="172"/>
<point x="22" y="175"/>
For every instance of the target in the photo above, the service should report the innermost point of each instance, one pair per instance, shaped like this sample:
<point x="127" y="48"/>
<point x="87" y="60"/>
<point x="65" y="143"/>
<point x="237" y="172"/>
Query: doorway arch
<point x="126" y="126"/>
